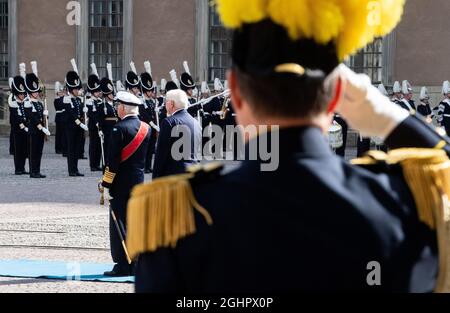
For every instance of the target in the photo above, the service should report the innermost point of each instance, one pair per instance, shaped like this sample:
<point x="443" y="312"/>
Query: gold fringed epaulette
<point x="427" y="173"/>
<point x="162" y="212"/>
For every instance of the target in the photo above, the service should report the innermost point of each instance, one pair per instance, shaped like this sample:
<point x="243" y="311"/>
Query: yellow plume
<point x="352" y="24"/>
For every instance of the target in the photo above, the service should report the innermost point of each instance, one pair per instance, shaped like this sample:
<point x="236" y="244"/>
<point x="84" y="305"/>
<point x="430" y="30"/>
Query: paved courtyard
<point x="57" y="219"/>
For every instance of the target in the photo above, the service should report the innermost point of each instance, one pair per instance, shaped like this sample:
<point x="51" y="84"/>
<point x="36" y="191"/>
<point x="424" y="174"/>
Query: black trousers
<point x="151" y="151"/>
<point x="95" y="149"/>
<point x="21" y="149"/>
<point x="60" y="139"/>
<point x="107" y="133"/>
<point x="36" y="148"/>
<point x="74" y="137"/>
<point x="82" y="143"/>
<point x="11" y="142"/>
<point x="119" y="207"/>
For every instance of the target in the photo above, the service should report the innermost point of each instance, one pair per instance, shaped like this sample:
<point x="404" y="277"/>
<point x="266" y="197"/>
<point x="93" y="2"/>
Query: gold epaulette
<point x="427" y="173"/>
<point x="162" y="212"/>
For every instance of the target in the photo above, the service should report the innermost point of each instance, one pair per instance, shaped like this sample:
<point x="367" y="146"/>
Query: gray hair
<point x="179" y="97"/>
<point x="129" y="109"/>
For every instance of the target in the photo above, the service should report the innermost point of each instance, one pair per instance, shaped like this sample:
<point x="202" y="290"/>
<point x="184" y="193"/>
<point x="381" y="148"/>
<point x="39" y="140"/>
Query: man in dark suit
<point x="315" y="223"/>
<point x="125" y="165"/>
<point x="179" y="127"/>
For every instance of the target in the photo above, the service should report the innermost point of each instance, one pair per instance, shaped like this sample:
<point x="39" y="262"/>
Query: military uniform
<point x="124" y="170"/>
<point x="315" y="223"/>
<point x="93" y="106"/>
<point x="36" y="115"/>
<point x="148" y="113"/>
<point x="107" y="115"/>
<point x="75" y="126"/>
<point x="60" y="122"/>
<point x="19" y="125"/>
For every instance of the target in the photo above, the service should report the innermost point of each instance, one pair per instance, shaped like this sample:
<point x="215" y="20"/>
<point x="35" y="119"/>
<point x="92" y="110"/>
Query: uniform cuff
<point x="108" y="177"/>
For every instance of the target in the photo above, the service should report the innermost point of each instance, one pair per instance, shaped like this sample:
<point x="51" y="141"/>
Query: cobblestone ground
<point x="58" y="212"/>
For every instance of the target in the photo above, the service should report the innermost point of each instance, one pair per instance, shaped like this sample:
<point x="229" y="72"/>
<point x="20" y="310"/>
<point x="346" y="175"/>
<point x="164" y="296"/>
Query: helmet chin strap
<point x="339" y="90"/>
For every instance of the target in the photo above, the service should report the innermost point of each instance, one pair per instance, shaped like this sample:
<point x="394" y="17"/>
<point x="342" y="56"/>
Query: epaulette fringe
<point x="161" y="213"/>
<point x="427" y="173"/>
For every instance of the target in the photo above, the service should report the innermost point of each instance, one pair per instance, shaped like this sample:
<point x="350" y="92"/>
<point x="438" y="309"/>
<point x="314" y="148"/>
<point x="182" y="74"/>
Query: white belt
<point x="62" y="111"/>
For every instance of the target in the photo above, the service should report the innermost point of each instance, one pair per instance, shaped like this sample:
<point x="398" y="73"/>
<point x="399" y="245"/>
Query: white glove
<point x="67" y="100"/>
<point x="45" y="112"/>
<point x="363" y="106"/>
<point x="100" y="133"/>
<point x="26" y="129"/>
<point x="84" y="127"/>
<point x="153" y="125"/>
<point x="45" y="131"/>
<point x="85" y="110"/>
<point x="106" y="194"/>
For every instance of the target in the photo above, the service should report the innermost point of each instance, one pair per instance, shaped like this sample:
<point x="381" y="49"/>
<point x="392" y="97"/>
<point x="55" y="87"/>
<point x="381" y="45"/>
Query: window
<point x="4" y="57"/>
<point x="219" y="47"/>
<point x="4" y="40"/>
<point x="370" y="61"/>
<point x="106" y="35"/>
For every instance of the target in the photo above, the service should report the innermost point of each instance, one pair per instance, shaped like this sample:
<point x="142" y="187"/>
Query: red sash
<point x="134" y="145"/>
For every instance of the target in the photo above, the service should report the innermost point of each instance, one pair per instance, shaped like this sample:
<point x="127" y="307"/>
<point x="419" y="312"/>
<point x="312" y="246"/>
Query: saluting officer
<point x="126" y="156"/>
<point x="19" y="124"/>
<point x="36" y="114"/>
<point x="333" y="210"/>
<point x="148" y="112"/>
<point x="93" y="105"/>
<point x="107" y="115"/>
<point x="75" y="126"/>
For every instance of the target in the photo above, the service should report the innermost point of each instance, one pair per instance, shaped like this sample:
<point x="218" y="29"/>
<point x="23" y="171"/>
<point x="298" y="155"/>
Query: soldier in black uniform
<point x="125" y="163"/>
<point x="148" y="114"/>
<point x="107" y="115"/>
<point x="407" y="102"/>
<point x="93" y="105"/>
<point x="19" y="124"/>
<point x="36" y="115"/>
<point x="280" y="229"/>
<point x="444" y="108"/>
<point x="132" y="82"/>
<point x="75" y="126"/>
<point x="424" y="107"/>
<point x="60" y="120"/>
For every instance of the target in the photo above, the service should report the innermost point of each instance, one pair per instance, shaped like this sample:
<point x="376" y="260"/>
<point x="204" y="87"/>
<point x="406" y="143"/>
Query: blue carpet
<point x="59" y="270"/>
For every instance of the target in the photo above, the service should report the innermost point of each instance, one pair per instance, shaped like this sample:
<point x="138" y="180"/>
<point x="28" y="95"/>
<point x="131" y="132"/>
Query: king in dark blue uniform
<point x="125" y="165"/>
<point x="315" y="222"/>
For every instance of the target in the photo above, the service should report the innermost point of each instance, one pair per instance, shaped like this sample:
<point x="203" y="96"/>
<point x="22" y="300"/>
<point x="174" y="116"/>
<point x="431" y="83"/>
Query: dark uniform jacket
<point x="107" y="116"/>
<point x="125" y="175"/>
<point x="444" y="112"/>
<point x="424" y="109"/>
<point x="60" y="116"/>
<point x="17" y="115"/>
<point x="314" y="224"/>
<point x="74" y="111"/>
<point x="35" y="114"/>
<point x="165" y="164"/>
<point x="147" y="111"/>
<point x="93" y="113"/>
